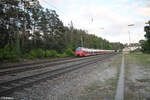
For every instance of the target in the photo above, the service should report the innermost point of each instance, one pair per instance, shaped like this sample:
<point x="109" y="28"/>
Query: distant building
<point x="134" y="46"/>
<point x="131" y="47"/>
<point x="126" y="50"/>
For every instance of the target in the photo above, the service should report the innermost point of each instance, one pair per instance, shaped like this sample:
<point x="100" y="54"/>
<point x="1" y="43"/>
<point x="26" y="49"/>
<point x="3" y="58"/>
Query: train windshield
<point x="78" y="49"/>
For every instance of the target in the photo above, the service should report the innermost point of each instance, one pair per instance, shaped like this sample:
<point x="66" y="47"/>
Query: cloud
<point x="114" y="18"/>
<point x="148" y="3"/>
<point x="115" y="26"/>
<point x="144" y="11"/>
<point x="122" y="0"/>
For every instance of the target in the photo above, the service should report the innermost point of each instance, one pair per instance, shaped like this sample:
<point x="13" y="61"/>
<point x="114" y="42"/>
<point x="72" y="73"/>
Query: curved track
<point x="12" y="85"/>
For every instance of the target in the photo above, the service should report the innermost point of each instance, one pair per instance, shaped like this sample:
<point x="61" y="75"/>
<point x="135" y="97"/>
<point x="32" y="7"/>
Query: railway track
<point x="31" y="63"/>
<point x="39" y="65"/>
<point x="12" y="85"/>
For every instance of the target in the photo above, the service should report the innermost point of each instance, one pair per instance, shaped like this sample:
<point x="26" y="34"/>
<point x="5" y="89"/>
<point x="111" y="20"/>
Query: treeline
<point x="146" y="43"/>
<point x="27" y="30"/>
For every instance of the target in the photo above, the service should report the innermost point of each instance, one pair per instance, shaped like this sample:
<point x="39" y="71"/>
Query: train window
<point x="85" y="51"/>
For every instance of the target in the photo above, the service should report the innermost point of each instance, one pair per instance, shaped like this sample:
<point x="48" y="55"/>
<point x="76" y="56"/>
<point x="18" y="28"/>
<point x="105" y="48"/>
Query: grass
<point x="111" y="81"/>
<point x="93" y="86"/>
<point x="129" y="94"/>
<point x="141" y="59"/>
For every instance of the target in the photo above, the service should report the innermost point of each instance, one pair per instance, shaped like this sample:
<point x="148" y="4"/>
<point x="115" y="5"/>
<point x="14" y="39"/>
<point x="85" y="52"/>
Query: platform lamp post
<point x="129" y="35"/>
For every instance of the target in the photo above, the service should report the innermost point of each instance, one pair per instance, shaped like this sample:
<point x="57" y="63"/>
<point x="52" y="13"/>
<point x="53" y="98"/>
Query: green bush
<point x="48" y="53"/>
<point x="1" y="54"/>
<point x="28" y="56"/>
<point x="36" y="53"/>
<point x="9" y="53"/>
<point x="51" y="53"/>
<point x="69" y="52"/>
<point x="40" y="53"/>
<point x="62" y="55"/>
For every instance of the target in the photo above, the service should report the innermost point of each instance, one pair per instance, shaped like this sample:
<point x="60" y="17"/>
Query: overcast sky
<point x="108" y="19"/>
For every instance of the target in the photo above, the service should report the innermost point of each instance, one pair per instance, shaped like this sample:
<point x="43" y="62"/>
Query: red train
<point x="81" y="51"/>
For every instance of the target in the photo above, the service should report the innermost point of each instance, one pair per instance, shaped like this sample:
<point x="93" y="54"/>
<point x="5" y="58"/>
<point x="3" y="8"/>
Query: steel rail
<point x="31" y="63"/>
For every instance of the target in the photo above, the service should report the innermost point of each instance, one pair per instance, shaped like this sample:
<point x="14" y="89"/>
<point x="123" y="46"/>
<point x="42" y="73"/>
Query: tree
<point x="26" y="26"/>
<point x="147" y="30"/>
<point x="9" y="18"/>
<point x="146" y="44"/>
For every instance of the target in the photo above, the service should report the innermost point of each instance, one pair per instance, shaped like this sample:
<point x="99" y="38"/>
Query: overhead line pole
<point x="102" y="41"/>
<point x="129" y="36"/>
<point x="71" y="28"/>
<point x="81" y="40"/>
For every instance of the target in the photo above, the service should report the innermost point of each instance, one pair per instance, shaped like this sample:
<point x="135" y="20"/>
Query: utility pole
<point x="81" y="41"/>
<point x="102" y="41"/>
<point x="71" y="28"/>
<point x="129" y="36"/>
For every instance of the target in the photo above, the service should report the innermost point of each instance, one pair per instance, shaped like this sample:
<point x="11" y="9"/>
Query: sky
<point x="108" y="19"/>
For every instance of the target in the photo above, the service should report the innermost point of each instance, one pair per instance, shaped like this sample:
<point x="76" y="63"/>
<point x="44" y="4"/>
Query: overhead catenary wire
<point x="53" y="6"/>
<point x="56" y="8"/>
<point x="72" y="20"/>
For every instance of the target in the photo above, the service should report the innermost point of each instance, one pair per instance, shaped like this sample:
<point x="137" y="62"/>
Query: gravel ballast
<point x="95" y="81"/>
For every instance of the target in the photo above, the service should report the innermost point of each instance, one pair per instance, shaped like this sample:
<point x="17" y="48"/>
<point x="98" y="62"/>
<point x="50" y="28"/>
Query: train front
<point x="78" y="51"/>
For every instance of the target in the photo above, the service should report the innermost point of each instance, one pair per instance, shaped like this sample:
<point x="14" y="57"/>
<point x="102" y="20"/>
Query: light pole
<point x="129" y="36"/>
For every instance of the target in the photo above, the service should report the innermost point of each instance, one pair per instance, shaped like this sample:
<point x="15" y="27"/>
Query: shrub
<point x="9" y="53"/>
<point x="32" y="53"/>
<point x="28" y="56"/>
<point x="40" y="53"/>
<point x="1" y="54"/>
<point x="69" y="52"/>
<point x="48" y="53"/>
<point x="62" y="55"/>
<point x="51" y="53"/>
<point x="36" y="53"/>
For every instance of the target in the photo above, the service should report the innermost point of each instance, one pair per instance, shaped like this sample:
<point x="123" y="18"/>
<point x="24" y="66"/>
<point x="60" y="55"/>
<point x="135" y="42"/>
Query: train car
<point x="81" y="51"/>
